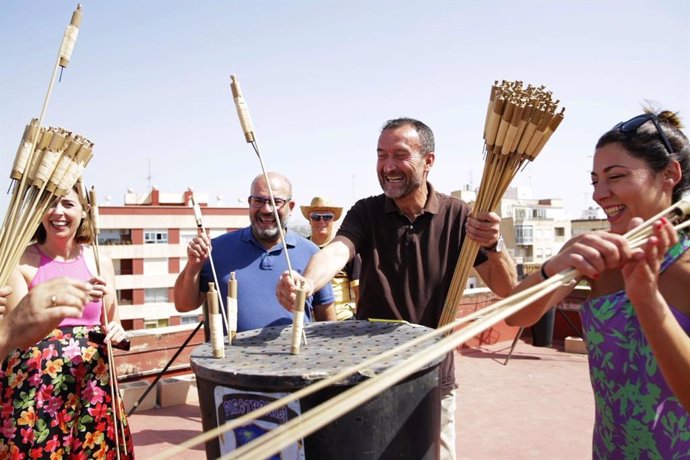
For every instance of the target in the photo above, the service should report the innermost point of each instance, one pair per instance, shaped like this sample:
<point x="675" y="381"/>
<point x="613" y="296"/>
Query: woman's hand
<point x="591" y="254"/>
<point x="115" y="333"/>
<point x="641" y="271"/>
<point x="5" y="291"/>
<point x="42" y="310"/>
<point x="99" y="289"/>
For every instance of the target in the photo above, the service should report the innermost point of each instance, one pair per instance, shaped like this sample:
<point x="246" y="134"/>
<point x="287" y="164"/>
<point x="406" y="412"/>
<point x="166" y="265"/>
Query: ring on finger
<point x="53" y="300"/>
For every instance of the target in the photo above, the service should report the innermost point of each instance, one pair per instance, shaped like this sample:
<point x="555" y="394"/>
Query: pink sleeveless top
<point x="76" y="268"/>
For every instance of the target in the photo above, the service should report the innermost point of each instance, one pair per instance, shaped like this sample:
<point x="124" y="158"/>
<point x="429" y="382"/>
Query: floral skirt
<point x="55" y="401"/>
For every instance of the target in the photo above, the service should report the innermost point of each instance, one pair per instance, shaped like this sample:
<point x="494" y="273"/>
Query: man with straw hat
<point x="322" y="215"/>
<point x="409" y="238"/>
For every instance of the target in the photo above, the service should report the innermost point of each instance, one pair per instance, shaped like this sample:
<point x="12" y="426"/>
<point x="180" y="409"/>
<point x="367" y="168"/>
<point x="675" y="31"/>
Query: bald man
<point x="255" y="254"/>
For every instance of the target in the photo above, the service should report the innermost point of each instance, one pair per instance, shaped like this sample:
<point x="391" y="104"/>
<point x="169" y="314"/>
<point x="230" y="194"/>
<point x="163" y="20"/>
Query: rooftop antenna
<point x="149" y="177"/>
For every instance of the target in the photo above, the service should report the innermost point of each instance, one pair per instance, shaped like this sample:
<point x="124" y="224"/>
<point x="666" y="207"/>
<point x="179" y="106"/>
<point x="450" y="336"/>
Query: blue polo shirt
<point x="257" y="271"/>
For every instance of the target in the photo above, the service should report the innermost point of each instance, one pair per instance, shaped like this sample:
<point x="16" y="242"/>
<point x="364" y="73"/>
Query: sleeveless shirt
<point x="75" y="268"/>
<point x="636" y="413"/>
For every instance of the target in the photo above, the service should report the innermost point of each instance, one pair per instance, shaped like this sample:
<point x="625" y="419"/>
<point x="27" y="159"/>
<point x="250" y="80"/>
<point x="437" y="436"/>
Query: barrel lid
<point x="260" y="359"/>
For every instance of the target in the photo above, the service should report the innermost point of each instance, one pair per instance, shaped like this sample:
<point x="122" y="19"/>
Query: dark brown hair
<point x="426" y="135"/>
<point x="646" y="144"/>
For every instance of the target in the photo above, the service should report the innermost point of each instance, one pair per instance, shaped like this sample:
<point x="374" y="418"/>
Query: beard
<point x="396" y="190"/>
<point x="268" y="233"/>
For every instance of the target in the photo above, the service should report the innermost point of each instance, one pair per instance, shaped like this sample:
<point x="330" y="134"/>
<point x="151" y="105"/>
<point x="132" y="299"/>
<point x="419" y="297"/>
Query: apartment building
<point x="147" y="239"/>
<point x="533" y="229"/>
<point x="590" y="224"/>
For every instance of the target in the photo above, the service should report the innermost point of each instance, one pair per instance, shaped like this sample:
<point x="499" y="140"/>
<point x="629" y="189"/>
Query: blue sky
<point x="149" y="83"/>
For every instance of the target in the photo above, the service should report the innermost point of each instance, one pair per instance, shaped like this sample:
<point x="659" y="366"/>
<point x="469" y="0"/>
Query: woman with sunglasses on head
<point x="56" y="395"/>
<point x="636" y="321"/>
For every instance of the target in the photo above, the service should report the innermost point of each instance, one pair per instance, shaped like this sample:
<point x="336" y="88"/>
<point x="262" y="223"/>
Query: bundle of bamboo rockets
<point x="519" y="121"/>
<point x="48" y="163"/>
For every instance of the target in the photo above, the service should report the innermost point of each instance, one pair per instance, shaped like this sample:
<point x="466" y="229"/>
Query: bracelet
<point x="543" y="272"/>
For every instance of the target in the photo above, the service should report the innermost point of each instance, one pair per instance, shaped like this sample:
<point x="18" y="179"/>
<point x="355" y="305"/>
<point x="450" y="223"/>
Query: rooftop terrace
<point x="539" y="405"/>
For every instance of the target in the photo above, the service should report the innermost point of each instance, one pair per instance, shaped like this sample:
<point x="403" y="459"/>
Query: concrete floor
<point x="539" y="406"/>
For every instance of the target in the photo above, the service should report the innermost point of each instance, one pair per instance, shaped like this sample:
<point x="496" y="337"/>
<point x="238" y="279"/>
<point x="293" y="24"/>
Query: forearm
<point x="110" y="297"/>
<point x="186" y="290"/>
<point x="669" y="343"/>
<point x="325" y="312"/>
<point x="501" y="276"/>
<point x="323" y="265"/>
<point x="534" y="311"/>
<point x="5" y="345"/>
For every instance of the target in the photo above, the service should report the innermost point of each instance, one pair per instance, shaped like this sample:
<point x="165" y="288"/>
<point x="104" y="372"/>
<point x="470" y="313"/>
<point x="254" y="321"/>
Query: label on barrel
<point x="232" y="404"/>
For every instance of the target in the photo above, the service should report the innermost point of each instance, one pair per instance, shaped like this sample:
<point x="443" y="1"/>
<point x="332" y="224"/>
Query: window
<point x="156" y="295"/>
<point x="187" y="235"/>
<point x="156" y="266"/>
<point x="125" y="296"/>
<point x="189" y="319"/>
<point x="123" y="266"/>
<point x="524" y="234"/>
<point x="213" y="233"/>
<point x="155" y="323"/>
<point x="115" y="236"/>
<point x="155" y="237"/>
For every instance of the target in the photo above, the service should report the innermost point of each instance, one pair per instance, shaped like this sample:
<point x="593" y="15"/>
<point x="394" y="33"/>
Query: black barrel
<point x="401" y="422"/>
<point x="542" y="330"/>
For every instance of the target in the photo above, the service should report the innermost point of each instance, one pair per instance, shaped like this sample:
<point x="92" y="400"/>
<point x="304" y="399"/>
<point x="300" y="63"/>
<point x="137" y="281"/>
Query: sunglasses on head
<point x="325" y="217"/>
<point x="631" y="126"/>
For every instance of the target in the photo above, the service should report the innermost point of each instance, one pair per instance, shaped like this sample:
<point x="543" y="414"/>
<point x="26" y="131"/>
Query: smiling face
<point x="626" y="187"/>
<point x="321" y="229"/>
<point x="401" y="167"/>
<point x="262" y="219"/>
<point x="62" y="220"/>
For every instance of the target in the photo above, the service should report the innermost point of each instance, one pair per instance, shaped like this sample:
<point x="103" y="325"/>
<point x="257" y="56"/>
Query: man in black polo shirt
<point x="409" y="239"/>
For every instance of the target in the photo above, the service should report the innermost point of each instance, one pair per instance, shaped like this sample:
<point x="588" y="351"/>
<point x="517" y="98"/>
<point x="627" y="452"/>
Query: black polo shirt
<point x="407" y="266"/>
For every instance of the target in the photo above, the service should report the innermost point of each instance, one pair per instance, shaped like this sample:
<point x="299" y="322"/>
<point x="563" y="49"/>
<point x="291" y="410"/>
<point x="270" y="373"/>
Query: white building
<point x="147" y="240"/>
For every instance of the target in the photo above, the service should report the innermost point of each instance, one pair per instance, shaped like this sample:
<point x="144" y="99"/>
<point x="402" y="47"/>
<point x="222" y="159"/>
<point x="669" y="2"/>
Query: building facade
<point x="147" y="240"/>
<point x="533" y="229"/>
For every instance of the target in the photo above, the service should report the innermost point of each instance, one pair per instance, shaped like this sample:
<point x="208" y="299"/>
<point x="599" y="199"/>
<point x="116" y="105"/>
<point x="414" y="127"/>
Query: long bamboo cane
<point x="485" y="318"/>
<point x="199" y="219"/>
<point x="29" y="174"/>
<point x="518" y="123"/>
<point x="64" y="55"/>
<point x="93" y="217"/>
<point x="323" y="414"/>
<point x="250" y="137"/>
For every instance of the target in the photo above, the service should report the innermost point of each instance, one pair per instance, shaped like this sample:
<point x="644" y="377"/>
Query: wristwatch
<point x="498" y="247"/>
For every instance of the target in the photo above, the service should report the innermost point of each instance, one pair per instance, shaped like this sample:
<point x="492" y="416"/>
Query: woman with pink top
<point x="56" y="398"/>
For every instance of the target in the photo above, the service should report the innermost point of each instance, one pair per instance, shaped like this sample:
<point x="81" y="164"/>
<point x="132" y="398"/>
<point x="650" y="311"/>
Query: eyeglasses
<point x="324" y="217"/>
<point x="259" y="202"/>
<point x="631" y="126"/>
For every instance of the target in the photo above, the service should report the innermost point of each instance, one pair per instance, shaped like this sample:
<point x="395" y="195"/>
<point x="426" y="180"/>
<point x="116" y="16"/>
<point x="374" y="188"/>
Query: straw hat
<point x="321" y="204"/>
